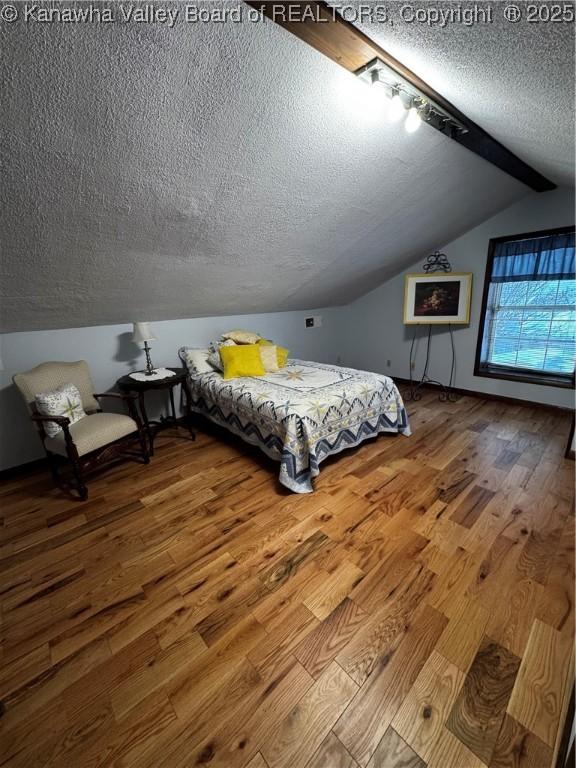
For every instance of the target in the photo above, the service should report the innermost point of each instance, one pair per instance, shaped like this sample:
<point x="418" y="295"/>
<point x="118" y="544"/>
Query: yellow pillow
<point x="281" y="352"/>
<point x="242" y="360"/>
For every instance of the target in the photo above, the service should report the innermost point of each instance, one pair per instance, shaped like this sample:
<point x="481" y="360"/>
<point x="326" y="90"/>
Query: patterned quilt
<point x="303" y="413"/>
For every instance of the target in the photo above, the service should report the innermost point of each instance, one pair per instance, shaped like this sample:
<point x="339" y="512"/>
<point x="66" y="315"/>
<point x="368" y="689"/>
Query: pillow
<point x="195" y="360"/>
<point x="282" y="356"/>
<point x="281" y="352"/>
<point x="269" y="357"/>
<point x="242" y="337"/>
<point x="242" y="360"/>
<point x="64" y="401"/>
<point x="214" y="356"/>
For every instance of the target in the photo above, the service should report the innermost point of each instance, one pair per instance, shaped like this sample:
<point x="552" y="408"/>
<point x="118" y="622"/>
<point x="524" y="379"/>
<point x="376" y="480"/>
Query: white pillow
<point x="214" y="357"/>
<point x="269" y="357"/>
<point x="195" y="360"/>
<point x="64" y="401"/>
<point x="242" y="337"/>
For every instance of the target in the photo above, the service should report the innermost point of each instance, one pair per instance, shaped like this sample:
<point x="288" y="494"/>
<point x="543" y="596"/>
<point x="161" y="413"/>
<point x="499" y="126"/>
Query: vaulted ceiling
<point x="211" y="169"/>
<point x="516" y="80"/>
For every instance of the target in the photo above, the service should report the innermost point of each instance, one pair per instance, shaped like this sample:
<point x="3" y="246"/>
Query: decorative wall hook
<point x="437" y="262"/>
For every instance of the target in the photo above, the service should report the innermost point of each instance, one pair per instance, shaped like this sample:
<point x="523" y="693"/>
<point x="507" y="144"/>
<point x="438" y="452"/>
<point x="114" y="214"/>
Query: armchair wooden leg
<point x="53" y="462"/>
<point x="79" y="478"/>
<point x="76" y="469"/>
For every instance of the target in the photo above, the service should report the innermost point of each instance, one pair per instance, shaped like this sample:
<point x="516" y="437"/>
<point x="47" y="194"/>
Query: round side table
<point x="152" y="426"/>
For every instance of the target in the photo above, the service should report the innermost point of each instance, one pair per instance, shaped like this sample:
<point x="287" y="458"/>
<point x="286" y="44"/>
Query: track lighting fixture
<point x="404" y="100"/>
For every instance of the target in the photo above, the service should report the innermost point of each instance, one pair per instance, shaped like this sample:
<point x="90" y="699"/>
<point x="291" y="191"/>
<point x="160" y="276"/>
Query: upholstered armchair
<point x="96" y="438"/>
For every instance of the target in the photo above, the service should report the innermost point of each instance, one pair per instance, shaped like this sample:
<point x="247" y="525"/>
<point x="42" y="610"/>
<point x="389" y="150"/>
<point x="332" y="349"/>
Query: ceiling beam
<point x="324" y="29"/>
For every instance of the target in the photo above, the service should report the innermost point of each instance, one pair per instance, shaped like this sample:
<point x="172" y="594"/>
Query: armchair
<point x="94" y="439"/>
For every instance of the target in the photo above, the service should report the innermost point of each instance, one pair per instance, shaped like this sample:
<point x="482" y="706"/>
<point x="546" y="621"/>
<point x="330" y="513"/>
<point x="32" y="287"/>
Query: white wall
<point x="111" y="354"/>
<point x="376" y="334"/>
<point x="365" y="334"/>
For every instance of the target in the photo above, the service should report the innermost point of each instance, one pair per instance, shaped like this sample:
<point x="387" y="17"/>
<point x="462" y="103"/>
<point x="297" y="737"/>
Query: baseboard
<point x="486" y="395"/>
<point x="42" y="463"/>
<point x="23" y="469"/>
<point x="37" y="464"/>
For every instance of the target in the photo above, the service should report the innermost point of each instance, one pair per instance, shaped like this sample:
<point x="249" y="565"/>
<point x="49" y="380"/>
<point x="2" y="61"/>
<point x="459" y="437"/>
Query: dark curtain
<point x="542" y="258"/>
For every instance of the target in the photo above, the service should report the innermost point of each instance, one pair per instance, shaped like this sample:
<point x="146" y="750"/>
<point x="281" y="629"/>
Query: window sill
<point x="525" y="377"/>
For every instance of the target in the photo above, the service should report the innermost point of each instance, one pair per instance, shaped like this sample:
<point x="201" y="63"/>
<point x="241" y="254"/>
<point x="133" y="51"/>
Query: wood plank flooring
<point x="417" y="610"/>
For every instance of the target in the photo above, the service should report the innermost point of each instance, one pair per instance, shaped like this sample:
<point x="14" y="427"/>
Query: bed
<point x="303" y="413"/>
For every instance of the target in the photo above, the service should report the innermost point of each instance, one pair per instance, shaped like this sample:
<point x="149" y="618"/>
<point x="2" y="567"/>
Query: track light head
<point x="378" y="84"/>
<point x="397" y="109"/>
<point x="413" y="120"/>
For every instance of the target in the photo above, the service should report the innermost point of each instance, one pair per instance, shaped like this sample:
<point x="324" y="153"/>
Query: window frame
<point x="488" y="371"/>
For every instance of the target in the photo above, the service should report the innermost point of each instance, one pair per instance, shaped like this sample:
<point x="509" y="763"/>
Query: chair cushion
<point x="93" y="432"/>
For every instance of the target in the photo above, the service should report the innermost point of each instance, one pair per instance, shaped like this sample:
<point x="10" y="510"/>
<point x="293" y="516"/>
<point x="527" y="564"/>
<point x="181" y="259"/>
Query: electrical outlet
<point x="314" y="322"/>
<point x="309" y="322"/>
<point x="388" y="363"/>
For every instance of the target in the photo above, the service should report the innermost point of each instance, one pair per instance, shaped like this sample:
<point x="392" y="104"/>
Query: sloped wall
<point x="365" y="334"/>
<point x="111" y="354"/>
<point x="375" y="333"/>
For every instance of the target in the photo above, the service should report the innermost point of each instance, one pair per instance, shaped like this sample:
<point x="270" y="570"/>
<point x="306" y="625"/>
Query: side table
<point x="127" y="384"/>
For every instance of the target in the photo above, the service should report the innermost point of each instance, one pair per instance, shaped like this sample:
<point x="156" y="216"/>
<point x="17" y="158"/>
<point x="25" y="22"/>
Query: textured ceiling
<point x="156" y="173"/>
<point x="516" y="80"/>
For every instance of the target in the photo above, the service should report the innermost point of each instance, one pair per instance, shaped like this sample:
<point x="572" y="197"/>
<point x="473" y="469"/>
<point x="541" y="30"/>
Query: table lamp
<point x="142" y="333"/>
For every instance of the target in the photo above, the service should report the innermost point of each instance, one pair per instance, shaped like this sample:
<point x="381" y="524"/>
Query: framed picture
<point x="438" y="298"/>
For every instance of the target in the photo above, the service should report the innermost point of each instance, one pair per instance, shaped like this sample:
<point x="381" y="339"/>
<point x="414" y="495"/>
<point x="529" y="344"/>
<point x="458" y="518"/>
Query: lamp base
<point x="150" y="371"/>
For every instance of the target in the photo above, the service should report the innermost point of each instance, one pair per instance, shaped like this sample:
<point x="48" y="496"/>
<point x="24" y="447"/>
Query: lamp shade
<point x="142" y="333"/>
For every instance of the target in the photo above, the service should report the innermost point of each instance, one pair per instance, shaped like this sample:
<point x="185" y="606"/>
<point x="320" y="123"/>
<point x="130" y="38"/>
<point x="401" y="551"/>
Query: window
<point x="528" y="323"/>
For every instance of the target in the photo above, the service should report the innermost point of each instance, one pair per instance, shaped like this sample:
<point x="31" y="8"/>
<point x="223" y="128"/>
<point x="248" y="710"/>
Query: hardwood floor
<point x="416" y="610"/>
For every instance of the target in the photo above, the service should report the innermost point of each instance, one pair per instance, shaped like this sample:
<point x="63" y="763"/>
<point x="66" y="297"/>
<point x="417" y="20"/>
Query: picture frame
<point x="438" y="299"/>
